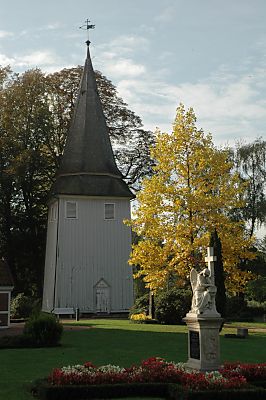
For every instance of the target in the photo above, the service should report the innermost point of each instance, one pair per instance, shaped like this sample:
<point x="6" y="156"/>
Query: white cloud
<point x="147" y="29"/>
<point x="116" y="58"/>
<point x="23" y="33"/>
<point x="125" y="44"/>
<point x="124" y="67"/>
<point x="229" y="106"/>
<point x="5" y="60"/>
<point x="129" y="42"/>
<point x="4" y="34"/>
<point x="50" y="69"/>
<point x="46" y="60"/>
<point x="37" y="58"/>
<point x="167" y="14"/>
<point x="52" y="26"/>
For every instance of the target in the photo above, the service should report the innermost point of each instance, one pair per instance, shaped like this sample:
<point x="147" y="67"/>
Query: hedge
<point x="251" y="393"/>
<point x="44" y="391"/>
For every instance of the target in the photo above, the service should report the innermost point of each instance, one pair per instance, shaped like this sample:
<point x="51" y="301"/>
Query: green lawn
<point x="113" y="341"/>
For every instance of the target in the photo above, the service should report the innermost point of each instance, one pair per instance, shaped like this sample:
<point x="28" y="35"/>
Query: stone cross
<point x="210" y="261"/>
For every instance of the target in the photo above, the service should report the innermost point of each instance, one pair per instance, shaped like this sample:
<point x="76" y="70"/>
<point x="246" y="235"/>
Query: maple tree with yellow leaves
<point x="193" y="191"/>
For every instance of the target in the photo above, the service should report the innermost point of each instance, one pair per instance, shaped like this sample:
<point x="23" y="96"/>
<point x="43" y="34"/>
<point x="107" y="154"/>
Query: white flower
<point x="214" y="376"/>
<point x="179" y="366"/>
<point x="76" y="369"/>
<point x="110" y="368"/>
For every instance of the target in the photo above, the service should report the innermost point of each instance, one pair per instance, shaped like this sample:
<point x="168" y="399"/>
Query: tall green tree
<point x="215" y="242"/>
<point x="251" y="164"/>
<point x="24" y="117"/>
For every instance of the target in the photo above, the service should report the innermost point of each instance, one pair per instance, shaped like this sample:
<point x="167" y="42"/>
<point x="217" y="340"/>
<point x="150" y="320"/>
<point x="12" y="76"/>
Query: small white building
<point x="6" y="287"/>
<point x="88" y="245"/>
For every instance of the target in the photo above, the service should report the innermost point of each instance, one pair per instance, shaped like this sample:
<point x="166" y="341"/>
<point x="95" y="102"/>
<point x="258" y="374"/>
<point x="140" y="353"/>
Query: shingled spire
<point x="88" y="166"/>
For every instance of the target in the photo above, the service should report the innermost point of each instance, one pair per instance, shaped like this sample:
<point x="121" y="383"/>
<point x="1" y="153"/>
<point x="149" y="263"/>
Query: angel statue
<point x="204" y="292"/>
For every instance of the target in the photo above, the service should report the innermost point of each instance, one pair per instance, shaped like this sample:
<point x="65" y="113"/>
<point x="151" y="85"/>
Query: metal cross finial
<point x="87" y="26"/>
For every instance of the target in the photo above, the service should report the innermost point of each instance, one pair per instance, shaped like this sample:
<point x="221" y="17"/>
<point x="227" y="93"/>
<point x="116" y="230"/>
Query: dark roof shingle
<point x="90" y="185"/>
<point x="88" y="157"/>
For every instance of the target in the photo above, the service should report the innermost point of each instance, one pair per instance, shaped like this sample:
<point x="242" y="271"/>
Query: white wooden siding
<point x="91" y="248"/>
<point x="7" y="310"/>
<point x="50" y="259"/>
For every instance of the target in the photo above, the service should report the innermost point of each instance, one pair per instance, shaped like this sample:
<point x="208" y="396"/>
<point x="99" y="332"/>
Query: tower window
<point x="71" y="209"/>
<point x="109" y="211"/>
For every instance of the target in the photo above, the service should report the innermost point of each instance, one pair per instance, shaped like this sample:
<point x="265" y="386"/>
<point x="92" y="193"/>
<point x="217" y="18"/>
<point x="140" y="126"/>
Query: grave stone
<point x="203" y="320"/>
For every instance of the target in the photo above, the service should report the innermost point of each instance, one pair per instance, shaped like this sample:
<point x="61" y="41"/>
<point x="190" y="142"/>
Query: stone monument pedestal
<point x="203" y="341"/>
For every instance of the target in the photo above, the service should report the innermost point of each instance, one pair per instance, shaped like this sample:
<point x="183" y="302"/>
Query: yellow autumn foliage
<point x="193" y="191"/>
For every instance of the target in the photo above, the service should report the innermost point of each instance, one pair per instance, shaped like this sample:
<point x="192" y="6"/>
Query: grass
<point x="113" y="341"/>
<point x="248" y="324"/>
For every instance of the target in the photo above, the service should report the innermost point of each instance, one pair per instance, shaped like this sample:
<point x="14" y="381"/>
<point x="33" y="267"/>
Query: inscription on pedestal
<point x="194" y="345"/>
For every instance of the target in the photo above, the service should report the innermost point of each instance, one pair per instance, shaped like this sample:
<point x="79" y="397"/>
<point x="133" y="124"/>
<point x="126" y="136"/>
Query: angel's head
<point x="205" y="272"/>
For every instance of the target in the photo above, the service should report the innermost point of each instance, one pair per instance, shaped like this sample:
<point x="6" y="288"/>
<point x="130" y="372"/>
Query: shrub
<point x="237" y="309"/>
<point x="141" y="305"/>
<point x="43" y="330"/>
<point x="256" y="309"/>
<point x="44" y="391"/>
<point x="140" y="318"/>
<point x="172" y="305"/>
<point x="140" y="390"/>
<point x="23" y="306"/>
<point x="256" y="289"/>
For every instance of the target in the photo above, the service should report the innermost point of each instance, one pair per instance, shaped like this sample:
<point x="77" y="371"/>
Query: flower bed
<point x="151" y="370"/>
<point x="252" y="372"/>
<point x="152" y="377"/>
<point x="141" y="318"/>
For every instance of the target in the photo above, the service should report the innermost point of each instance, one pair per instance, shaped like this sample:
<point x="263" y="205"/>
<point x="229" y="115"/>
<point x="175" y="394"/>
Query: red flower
<point x="252" y="372"/>
<point x="89" y="364"/>
<point x="155" y="369"/>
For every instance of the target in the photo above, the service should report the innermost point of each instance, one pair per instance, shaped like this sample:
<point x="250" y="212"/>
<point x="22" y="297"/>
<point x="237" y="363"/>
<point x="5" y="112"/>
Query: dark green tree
<point x="256" y="289"/>
<point x="219" y="274"/>
<point x="24" y="117"/>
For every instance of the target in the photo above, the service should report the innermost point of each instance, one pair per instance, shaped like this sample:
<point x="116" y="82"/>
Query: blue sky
<point x="207" y="54"/>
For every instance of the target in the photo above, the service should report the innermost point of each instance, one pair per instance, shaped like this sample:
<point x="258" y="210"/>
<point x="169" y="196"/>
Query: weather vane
<point x="87" y="26"/>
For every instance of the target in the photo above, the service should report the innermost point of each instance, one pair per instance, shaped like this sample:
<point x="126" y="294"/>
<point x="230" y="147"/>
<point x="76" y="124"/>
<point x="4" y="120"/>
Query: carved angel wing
<point x="193" y="278"/>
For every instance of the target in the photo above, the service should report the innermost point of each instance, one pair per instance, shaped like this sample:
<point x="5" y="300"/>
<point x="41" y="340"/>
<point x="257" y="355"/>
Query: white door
<point x="102" y="299"/>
